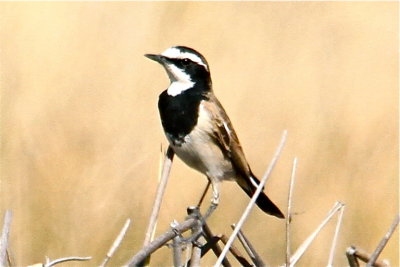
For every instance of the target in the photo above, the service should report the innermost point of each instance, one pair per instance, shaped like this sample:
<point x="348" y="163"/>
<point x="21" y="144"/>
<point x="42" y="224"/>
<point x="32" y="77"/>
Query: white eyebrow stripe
<point x="176" y="53"/>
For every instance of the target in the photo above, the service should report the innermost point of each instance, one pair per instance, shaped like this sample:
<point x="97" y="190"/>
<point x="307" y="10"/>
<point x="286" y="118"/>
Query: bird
<point x="198" y="129"/>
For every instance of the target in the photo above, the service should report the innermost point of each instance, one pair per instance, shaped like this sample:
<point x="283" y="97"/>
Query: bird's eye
<point x="185" y="61"/>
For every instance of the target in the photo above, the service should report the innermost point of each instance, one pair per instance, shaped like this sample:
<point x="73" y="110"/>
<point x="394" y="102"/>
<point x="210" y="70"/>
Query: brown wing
<point x="226" y="137"/>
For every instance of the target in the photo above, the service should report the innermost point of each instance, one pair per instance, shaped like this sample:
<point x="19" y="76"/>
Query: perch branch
<point x="160" y="241"/>
<point x="176" y="247"/>
<point x="253" y="199"/>
<point x="207" y="234"/>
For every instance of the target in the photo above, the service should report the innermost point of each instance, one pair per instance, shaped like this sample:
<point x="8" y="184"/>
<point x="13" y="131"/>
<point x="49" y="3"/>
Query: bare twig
<point x="116" y="243"/>
<point x="159" y="195"/>
<point x="176" y="247"/>
<point x="253" y="199"/>
<point x="289" y="211"/>
<point x="207" y="234"/>
<point x="351" y="257"/>
<point x="236" y="253"/>
<point x="160" y="241"/>
<point x="4" y="238"/>
<point x="249" y="248"/>
<point x="303" y="247"/>
<point x="57" y="261"/>
<point x="383" y="242"/>
<point x="177" y="251"/>
<point x="353" y="253"/>
<point x="335" y="237"/>
<point x="196" y="253"/>
<point x="216" y="248"/>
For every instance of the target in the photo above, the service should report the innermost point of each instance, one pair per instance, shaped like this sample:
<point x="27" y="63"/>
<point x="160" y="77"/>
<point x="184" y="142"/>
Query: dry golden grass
<point x="81" y="133"/>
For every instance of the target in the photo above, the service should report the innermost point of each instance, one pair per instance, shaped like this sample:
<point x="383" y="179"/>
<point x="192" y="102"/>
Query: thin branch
<point x="196" y="253"/>
<point x="166" y="168"/>
<point x="303" y="247"/>
<point x="249" y="248"/>
<point x="289" y="211"/>
<point x="383" y="242"/>
<point x="57" y="261"/>
<point x="253" y="199"/>
<point x="216" y="248"/>
<point x="335" y="237"/>
<point x="160" y="241"/>
<point x="116" y="243"/>
<point x="176" y="247"/>
<point x="353" y="253"/>
<point x="206" y="232"/>
<point x="4" y="238"/>
<point x="188" y="253"/>
<point x="236" y="253"/>
<point x="351" y="257"/>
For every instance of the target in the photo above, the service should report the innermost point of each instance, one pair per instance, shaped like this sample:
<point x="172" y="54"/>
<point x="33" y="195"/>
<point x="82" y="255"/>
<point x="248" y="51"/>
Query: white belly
<point x="201" y="153"/>
<point x="205" y="157"/>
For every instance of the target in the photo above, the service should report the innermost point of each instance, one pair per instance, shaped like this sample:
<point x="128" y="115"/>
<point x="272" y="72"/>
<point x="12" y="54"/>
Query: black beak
<point x="159" y="58"/>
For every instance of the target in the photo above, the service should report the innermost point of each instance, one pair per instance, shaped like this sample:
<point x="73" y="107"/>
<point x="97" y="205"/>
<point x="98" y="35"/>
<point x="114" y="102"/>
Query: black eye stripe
<point x="186" y="61"/>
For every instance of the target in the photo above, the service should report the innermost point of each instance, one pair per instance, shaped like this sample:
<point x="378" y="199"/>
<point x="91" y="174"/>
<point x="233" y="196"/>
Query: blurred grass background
<point x="81" y="134"/>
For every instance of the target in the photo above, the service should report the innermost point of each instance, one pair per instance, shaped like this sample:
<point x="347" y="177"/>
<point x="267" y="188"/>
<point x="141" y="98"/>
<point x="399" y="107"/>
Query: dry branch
<point x="236" y="253"/>
<point x="249" y="249"/>
<point x="4" y="238"/>
<point x="160" y="241"/>
<point x="61" y="260"/>
<point x="116" y="243"/>
<point x="159" y="195"/>
<point x="216" y="248"/>
<point x="253" y="199"/>
<point x="383" y="242"/>
<point x="353" y="254"/>
<point x="289" y="211"/>
<point x="335" y="237"/>
<point x="176" y="247"/>
<point x="303" y="247"/>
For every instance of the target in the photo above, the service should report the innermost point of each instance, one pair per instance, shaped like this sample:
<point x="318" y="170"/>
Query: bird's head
<point x="185" y="68"/>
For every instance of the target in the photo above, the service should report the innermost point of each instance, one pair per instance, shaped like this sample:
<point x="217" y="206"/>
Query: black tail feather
<point x="265" y="204"/>
<point x="263" y="201"/>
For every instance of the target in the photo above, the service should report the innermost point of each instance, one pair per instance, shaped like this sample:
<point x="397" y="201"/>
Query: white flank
<point x="180" y="81"/>
<point x="173" y="52"/>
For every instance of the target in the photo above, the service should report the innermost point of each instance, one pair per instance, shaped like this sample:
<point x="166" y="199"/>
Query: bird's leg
<point x="196" y="212"/>
<point x="214" y="200"/>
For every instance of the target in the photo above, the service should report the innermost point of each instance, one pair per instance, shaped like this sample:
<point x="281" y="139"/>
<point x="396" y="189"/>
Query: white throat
<point x="180" y="81"/>
<point x="176" y="88"/>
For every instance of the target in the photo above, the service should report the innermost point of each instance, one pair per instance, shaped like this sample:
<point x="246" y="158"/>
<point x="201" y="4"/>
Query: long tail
<point x="263" y="201"/>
